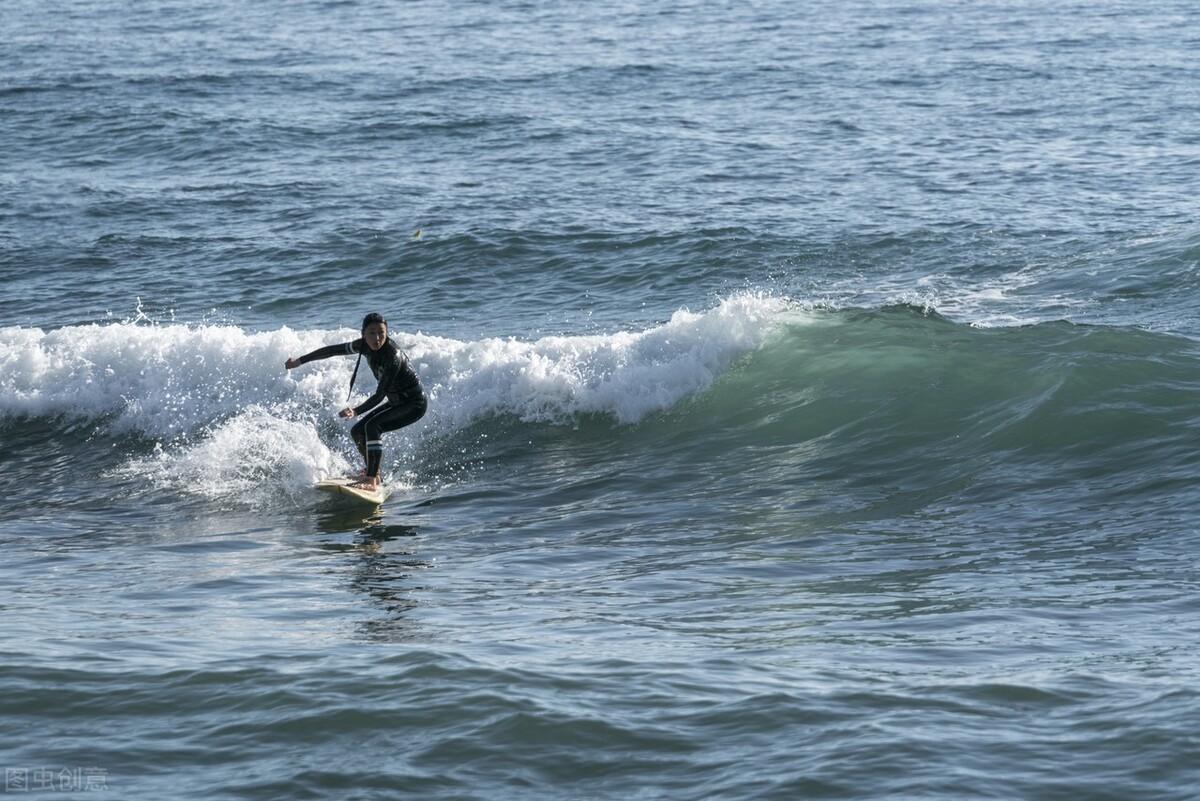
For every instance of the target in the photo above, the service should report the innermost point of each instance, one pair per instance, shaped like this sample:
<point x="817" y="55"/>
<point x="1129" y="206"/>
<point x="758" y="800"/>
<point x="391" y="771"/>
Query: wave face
<point x="897" y="394"/>
<point x="904" y="404"/>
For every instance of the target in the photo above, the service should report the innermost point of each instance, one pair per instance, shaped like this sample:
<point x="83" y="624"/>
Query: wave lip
<point x="169" y="381"/>
<point x="160" y="381"/>
<point x="627" y="374"/>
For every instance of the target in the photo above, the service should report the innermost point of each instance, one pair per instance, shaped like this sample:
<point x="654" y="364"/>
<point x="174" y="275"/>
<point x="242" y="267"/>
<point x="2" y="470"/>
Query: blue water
<point x="812" y="400"/>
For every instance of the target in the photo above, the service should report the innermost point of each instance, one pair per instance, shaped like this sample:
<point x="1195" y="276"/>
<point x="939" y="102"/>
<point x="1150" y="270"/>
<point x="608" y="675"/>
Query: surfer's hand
<point x="291" y="363"/>
<point x="347" y="412"/>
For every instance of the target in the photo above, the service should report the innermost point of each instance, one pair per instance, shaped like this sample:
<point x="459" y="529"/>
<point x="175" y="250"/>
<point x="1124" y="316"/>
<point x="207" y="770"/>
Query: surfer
<point x="398" y="401"/>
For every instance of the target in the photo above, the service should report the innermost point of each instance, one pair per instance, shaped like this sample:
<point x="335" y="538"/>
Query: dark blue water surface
<point x="812" y="400"/>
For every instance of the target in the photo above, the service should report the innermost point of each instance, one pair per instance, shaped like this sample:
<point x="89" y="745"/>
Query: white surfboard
<point x="341" y="486"/>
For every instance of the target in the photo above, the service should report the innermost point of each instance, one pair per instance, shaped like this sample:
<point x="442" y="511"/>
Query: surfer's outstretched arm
<point x="344" y="349"/>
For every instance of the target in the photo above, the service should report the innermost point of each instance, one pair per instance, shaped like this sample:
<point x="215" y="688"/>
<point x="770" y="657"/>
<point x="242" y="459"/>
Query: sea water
<point x="813" y="400"/>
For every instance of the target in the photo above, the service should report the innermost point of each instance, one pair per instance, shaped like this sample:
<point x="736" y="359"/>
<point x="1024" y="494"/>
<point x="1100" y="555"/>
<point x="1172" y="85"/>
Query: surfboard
<point x="341" y="487"/>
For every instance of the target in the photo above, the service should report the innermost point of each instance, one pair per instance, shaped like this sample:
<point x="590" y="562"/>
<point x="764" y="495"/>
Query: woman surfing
<point x="398" y="400"/>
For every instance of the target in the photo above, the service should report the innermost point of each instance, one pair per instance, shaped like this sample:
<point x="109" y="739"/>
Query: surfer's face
<point x="375" y="335"/>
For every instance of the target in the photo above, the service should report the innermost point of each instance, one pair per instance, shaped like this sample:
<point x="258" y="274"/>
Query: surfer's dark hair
<point x="373" y="317"/>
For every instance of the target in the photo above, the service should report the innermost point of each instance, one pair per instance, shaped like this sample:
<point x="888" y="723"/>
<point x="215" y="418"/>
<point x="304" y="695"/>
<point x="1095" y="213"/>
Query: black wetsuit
<point x="399" y="392"/>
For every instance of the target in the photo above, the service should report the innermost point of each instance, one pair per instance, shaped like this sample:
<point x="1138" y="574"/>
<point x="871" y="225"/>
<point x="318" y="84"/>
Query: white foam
<point x="626" y="374"/>
<point x="172" y="381"/>
<point x="225" y="414"/>
<point x="162" y="381"/>
<point x="252" y="449"/>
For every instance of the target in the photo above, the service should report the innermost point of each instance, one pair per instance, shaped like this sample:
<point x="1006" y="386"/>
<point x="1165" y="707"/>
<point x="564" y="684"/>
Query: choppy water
<point x="813" y="400"/>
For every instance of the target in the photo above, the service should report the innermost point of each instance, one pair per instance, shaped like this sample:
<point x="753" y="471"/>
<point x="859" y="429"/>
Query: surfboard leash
<point x="353" y="376"/>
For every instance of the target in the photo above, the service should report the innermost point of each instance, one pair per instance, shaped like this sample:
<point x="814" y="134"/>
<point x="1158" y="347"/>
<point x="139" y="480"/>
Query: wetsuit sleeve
<point x="386" y="379"/>
<point x="344" y="349"/>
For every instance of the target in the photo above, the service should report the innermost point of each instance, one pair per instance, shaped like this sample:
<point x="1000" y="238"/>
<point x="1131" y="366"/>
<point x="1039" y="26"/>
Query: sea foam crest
<point x="625" y="374"/>
<point x="171" y="381"/>
<point x="158" y="380"/>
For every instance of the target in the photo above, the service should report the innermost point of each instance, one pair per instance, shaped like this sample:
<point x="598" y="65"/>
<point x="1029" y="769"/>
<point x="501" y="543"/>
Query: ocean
<point x="812" y="400"/>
